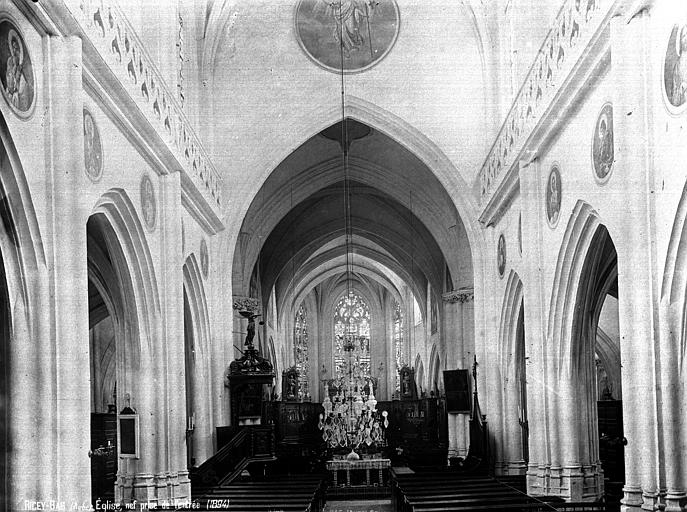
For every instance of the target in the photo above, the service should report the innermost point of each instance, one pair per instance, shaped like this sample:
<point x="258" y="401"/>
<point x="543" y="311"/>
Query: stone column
<point x="380" y="342"/>
<point x="454" y="304"/>
<point x="69" y="287"/>
<point x="515" y="464"/>
<point x="536" y="351"/>
<point x="638" y="268"/>
<point x="172" y="347"/>
<point x="389" y="373"/>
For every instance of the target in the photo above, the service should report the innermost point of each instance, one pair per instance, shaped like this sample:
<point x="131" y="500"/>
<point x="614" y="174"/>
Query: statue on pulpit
<point x="408" y="388"/>
<point x="291" y="385"/>
<point x="251" y="316"/>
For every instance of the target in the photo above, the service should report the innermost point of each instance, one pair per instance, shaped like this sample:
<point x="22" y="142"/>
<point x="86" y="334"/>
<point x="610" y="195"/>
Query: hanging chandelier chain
<point x="348" y="227"/>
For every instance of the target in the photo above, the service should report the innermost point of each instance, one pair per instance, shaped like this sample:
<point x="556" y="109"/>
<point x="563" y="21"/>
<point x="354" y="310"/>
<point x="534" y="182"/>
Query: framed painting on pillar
<point x="457" y="386"/>
<point x="128" y="434"/>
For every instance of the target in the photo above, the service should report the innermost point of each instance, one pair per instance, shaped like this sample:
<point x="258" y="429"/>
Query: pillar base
<point x="632" y="499"/>
<point x="651" y="501"/>
<point x="537" y="477"/>
<point x="516" y="467"/>
<point x="572" y="482"/>
<point x="676" y="501"/>
<point x="162" y="489"/>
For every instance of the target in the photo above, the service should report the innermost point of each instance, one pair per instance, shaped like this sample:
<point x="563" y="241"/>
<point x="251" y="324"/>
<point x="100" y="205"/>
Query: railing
<point x="575" y="24"/>
<point x="249" y="444"/>
<point x="115" y="39"/>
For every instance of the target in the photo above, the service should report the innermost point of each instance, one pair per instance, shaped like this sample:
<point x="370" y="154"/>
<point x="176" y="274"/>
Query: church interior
<point x="328" y="255"/>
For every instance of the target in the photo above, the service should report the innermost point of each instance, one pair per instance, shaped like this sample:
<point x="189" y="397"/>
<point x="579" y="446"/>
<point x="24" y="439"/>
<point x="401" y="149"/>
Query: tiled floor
<point x="358" y="506"/>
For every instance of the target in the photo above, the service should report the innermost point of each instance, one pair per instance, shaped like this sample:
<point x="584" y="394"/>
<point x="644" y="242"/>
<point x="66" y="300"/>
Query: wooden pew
<point x="289" y="493"/>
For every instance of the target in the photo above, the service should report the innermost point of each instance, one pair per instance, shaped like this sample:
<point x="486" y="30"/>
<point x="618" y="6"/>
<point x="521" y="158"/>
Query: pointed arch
<point x="31" y="351"/>
<point x="200" y="369"/>
<point x="434" y="368"/>
<point x="579" y="233"/>
<point x="586" y="270"/>
<point x="674" y="285"/>
<point x="513" y="396"/>
<point x="510" y="310"/>
<point x="128" y="247"/>
<point x="193" y="282"/>
<point x="139" y="366"/>
<point x="397" y="129"/>
<point x="673" y="346"/>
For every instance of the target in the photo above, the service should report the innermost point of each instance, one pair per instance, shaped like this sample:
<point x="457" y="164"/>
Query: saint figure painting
<point x="675" y="67"/>
<point x="602" y="144"/>
<point x="348" y="35"/>
<point x="553" y="196"/>
<point x="16" y="71"/>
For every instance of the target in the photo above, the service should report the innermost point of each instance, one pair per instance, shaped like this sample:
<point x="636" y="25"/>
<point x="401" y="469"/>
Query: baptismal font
<point x="351" y="419"/>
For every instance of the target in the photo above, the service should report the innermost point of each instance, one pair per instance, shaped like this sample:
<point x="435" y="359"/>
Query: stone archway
<point x="514" y="395"/>
<point x="197" y="370"/>
<point x="586" y="272"/>
<point x="25" y="314"/>
<point x="142" y="376"/>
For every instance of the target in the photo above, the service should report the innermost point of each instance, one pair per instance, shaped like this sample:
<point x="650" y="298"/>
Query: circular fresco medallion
<point x="204" y="258"/>
<point x="501" y="255"/>
<point x="675" y="69"/>
<point x="353" y="34"/>
<point x="148" y="203"/>
<point x="553" y="196"/>
<point x="92" y="148"/>
<point x="602" y="144"/>
<point x="16" y="70"/>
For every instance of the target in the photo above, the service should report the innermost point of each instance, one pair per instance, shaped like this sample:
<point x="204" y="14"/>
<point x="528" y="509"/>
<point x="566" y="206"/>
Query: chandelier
<point x="352" y="420"/>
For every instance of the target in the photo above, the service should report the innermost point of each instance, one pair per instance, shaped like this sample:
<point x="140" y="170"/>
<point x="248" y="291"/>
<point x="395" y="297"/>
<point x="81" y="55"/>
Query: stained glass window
<point x="300" y="344"/>
<point x="398" y="342"/>
<point x="352" y="318"/>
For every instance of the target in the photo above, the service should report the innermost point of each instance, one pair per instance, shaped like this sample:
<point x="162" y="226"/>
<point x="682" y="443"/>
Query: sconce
<point x="190" y="425"/>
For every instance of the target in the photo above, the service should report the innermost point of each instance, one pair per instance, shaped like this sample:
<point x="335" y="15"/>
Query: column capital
<point x="461" y="295"/>
<point x="242" y="303"/>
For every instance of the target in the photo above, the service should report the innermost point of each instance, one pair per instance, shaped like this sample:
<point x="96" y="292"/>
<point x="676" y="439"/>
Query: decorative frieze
<point x="462" y="295"/>
<point x="115" y="39"/>
<point x="573" y="27"/>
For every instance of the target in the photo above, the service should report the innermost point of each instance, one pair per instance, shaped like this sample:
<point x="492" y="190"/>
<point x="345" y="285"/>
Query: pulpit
<point x="250" y="380"/>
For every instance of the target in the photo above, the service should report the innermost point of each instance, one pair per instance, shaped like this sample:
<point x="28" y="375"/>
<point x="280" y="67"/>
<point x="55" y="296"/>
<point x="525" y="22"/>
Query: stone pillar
<point x="536" y="352"/>
<point x="172" y="346"/>
<point x="381" y="343"/>
<point x="316" y="387"/>
<point x="455" y="303"/>
<point x="69" y="287"/>
<point x="638" y="269"/>
<point x="389" y="373"/>
<point x="515" y="464"/>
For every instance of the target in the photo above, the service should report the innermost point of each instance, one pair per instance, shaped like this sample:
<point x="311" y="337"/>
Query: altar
<point x="369" y="466"/>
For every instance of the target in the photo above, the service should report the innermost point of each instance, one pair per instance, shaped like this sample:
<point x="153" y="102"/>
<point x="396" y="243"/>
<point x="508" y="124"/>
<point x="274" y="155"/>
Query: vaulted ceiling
<point x="403" y="222"/>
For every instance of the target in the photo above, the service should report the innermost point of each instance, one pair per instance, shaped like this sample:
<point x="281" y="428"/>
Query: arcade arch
<point x="586" y="274"/>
